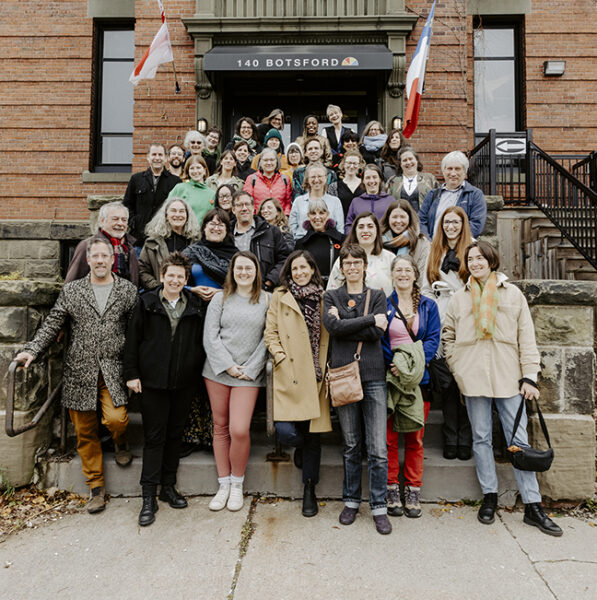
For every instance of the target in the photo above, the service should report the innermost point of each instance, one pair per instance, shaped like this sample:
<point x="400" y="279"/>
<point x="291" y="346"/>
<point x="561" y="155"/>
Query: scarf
<point x="214" y="257"/>
<point x="252" y="143"/>
<point x="308" y="297"/>
<point x="485" y="302"/>
<point x="451" y="262"/>
<point x="400" y="244"/>
<point x="121" y="255"/>
<point x="373" y="143"/>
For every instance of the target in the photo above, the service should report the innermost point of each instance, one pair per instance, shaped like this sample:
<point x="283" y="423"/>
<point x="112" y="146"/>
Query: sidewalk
<point x="269" y="551"/>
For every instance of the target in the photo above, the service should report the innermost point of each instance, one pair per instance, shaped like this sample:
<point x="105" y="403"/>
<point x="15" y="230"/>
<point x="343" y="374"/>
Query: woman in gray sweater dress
<point x="234" y="372"/>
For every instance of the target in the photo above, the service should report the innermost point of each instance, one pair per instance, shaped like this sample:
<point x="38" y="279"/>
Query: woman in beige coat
<point x="299" y="344"/>
<point x="489" y="343"/>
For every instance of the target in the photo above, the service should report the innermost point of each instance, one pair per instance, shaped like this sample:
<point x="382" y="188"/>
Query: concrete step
<point x="585" y="275"/>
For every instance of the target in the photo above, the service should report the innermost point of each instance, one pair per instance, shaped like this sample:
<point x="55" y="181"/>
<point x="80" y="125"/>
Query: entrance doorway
<point x="299" y="95"/>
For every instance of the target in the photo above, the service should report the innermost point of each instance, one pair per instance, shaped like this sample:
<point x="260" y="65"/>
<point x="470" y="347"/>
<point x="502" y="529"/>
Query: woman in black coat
<point x="162" y="359"/>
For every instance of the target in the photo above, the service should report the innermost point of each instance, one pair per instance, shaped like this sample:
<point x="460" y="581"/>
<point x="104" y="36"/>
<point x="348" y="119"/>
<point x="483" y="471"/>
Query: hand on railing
<point x="24" y="357"/>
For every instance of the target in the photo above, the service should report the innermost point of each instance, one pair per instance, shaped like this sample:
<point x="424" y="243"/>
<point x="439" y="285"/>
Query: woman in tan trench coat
<point x="298" y="344"/>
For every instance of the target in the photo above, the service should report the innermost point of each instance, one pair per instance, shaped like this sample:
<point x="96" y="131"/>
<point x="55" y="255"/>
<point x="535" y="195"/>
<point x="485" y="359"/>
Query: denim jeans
<point x="373" y="408"/>
<point x="297" y="435"/>
<point x="479" y="413"/>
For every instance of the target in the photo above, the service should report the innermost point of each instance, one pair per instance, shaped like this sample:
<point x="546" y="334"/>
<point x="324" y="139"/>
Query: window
<point x="497" y="78"/>
<point x="113" y="115"/>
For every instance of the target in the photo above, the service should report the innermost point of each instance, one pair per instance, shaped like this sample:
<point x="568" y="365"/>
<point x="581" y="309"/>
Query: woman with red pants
<point x="412" y="319"/>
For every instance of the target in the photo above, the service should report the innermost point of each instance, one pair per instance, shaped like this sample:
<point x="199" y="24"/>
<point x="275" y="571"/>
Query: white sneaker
<point x="235" y="501"/>
<point x="218" y="502"/>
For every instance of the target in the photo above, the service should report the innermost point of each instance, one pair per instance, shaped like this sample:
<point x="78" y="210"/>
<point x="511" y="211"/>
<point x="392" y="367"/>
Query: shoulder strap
<point x="357" y="354"/>
<point x="403" y="319"/>
<point x="541" y="421"/>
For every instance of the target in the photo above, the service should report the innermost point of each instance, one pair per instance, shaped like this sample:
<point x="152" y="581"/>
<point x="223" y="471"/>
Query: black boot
<point x="486" y="514"/>
<point x="148" y="510"/>
<point x="309" y="500"/>
<point x="169" y="494"/>
<point x="535" y="515"/>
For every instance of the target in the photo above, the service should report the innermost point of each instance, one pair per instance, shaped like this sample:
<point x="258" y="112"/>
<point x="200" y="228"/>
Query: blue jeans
<point x="297" y="435"/>
<point x="373" y="408"/>
<point x="479" y="413"/>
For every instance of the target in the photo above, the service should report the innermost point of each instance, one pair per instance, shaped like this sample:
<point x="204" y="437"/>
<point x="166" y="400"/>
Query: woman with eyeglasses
<point x="245" y="130"/>
<point x="350" y="183"/>
<point x="372" y="141"/>
<point x="348" y="323"/>
<point x="410" y="342"/>
<point x="445" y="274"/>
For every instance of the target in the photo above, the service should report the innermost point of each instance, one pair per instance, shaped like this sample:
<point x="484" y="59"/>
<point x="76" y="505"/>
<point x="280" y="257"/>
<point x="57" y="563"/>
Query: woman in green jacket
<point x="200" y="197"/>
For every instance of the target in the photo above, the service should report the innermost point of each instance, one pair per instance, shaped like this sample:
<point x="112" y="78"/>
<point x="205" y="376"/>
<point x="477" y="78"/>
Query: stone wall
<point x="564" y="317"/>
<point x="23" y="304"/>
<point x="32" y="248"/>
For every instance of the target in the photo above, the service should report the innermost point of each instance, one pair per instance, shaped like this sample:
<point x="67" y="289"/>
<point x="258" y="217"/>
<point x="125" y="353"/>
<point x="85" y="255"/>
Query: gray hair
<point x="192" y="133"/>
<point x="106" y="208"/>
<point x="98" y="239"/>
<point x="457" y="157"/>
<point x="159" y="226"/>
<point x="268" y="151"/>
<point x="317" y="205"/>
<point x="309" y="169"/>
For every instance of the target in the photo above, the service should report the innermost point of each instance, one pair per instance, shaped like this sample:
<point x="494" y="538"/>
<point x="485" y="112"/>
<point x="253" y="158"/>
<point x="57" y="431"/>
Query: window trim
<point x="100" y="26"/>
<point x="517" y="26"/>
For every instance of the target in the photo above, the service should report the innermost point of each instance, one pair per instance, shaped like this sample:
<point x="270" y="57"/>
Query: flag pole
<point x="176" y="86"/>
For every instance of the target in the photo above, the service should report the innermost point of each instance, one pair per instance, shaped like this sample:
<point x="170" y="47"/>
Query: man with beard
<point x="96" y="309"/>
<point x="147" y="191"/>
<point x="211" y="152"/>
<point x="176" y="160"/>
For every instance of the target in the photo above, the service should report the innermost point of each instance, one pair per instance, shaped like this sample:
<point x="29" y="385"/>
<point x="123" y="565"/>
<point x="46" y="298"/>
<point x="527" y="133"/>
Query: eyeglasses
<point x="353" y="263"/>
<point x="452" y="223"/>
<point x="215" y="224"/>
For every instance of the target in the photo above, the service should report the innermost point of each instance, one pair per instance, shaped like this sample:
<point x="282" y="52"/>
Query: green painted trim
<point x="498" y="7"/>
<point x="111" y="9"/>
<point x="89" y="177"/>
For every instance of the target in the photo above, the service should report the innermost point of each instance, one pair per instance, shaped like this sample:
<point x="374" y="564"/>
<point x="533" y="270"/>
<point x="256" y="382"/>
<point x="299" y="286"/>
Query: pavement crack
<point x="243" y="545"/>
<point x="532" y="563"/>
<point x="568" y="560"/>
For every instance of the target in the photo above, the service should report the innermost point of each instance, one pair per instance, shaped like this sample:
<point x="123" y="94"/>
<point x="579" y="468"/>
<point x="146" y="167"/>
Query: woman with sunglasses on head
<point x="445" y="274"/>
<point x="412" y="318"/>
<point x="298" y="344"/>
<point x="275" y="120"/>
<point x="489" y="341"/>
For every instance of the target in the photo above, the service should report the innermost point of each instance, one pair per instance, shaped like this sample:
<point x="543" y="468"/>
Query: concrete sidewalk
<point x="269" y="551"/>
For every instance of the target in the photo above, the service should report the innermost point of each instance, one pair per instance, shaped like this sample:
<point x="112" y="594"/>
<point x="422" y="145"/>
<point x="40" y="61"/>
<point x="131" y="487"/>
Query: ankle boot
<point x="486" y="514"/>
<point x="148" y="510"/>
<point x="535" y="515"/>
<point x="310" y="508"/>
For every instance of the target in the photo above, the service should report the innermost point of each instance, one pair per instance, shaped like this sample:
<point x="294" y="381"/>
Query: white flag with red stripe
<point x="157" y="54"/>
<point x="416" y="77"/>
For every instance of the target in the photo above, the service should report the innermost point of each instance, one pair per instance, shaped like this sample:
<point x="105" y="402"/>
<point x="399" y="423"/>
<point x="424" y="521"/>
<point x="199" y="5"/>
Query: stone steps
<point x="451" y="480"/>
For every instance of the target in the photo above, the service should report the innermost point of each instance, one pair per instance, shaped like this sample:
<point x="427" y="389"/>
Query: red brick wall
<point x="45" y="93"/>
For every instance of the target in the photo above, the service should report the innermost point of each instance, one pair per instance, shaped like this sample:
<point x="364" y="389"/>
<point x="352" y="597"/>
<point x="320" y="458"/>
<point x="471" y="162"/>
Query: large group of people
<point x="336" y="249"/>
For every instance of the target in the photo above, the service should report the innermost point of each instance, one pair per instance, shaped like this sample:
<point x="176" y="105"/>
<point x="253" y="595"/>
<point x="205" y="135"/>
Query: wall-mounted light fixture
<point x="202" y="125"/>
<point x="554" y="68"/>
<point x="396" y="123"/>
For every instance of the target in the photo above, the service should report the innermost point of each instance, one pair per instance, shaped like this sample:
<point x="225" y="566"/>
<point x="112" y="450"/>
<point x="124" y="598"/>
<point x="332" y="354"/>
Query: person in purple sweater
<point x="374" y="199"/>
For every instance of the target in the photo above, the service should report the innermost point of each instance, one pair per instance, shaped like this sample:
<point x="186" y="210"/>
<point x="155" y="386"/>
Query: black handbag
<point x="440" y="376"/>
<point x="530" y="459"/>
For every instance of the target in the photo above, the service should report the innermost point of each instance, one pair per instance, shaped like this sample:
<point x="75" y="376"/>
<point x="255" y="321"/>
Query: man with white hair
<point x="454" y="192"/>
<point x="112" y="226"/>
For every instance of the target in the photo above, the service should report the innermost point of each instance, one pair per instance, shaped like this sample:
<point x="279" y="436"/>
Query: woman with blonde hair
<point x="271" y="210"/>
<point x="333" y="133"/>
<point x="372" y="141"/>
<point x="350" y="183"/>
<point x="445" y="274"/>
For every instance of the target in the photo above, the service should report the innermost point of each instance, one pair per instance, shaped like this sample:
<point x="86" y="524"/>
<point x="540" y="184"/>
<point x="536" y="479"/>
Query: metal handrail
<point x="9" y="427"/>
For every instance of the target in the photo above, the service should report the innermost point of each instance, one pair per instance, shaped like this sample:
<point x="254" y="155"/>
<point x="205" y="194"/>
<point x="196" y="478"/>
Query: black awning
<point x="299" y="58"/>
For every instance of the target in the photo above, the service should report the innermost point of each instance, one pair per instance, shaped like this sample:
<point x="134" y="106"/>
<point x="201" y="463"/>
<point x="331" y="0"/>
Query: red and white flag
<point x="416" y="77"/>
<point x="158" y="53"/>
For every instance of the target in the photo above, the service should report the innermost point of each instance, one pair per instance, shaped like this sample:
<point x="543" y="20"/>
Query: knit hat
<point x="271" y="134"/>
<point x="294" y="146"/>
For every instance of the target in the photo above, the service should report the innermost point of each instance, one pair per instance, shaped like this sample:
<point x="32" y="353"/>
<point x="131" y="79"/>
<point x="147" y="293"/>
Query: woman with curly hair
<point x="271" y="210"/>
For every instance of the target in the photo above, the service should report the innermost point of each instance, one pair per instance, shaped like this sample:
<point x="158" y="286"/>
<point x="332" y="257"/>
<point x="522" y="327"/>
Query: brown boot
<point x="122" y="454"/>
<point x="97" y="500"/>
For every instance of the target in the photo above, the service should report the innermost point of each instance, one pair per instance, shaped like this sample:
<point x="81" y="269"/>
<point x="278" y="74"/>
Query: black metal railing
<point x="498" y="165"/>
<point x="568" y="203"/>
<point x="586" y="170"/>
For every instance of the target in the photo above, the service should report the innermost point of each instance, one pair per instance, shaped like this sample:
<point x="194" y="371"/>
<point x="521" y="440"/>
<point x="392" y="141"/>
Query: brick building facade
<point x="50" y="88"/>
